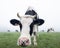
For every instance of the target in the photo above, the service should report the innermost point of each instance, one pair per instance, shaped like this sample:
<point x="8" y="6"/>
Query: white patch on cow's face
<point x="26" y="24"/>
<point x="25" y="36"/>
<point x="26" y="20"/>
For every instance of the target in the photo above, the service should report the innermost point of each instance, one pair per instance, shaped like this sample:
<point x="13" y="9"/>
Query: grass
<point x="45" y="40"/>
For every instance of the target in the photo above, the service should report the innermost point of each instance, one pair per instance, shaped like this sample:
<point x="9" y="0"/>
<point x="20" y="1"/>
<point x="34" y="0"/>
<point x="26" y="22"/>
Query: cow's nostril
<point x="27" y="41"/>
<point x="23" y="43"/>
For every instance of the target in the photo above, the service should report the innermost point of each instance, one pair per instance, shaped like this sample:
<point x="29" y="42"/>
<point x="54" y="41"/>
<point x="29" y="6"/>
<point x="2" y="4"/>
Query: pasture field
<point x="45" y="40"/>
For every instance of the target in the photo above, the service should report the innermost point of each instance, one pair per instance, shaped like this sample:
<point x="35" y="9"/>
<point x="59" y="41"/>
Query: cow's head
<point x="26" y="23"/>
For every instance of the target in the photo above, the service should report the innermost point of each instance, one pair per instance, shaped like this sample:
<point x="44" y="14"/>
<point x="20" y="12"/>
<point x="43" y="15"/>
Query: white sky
<point x="49" y="10"/>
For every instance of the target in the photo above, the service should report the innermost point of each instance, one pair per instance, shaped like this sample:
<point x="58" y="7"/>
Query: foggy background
<point x="49" y="10"/>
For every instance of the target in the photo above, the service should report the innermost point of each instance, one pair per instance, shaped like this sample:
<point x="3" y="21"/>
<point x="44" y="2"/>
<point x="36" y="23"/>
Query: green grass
<point x="45" y="40"/>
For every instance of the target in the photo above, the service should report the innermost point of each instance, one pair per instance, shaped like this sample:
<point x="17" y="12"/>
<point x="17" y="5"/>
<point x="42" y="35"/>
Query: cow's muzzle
<point x="24" y="41"/>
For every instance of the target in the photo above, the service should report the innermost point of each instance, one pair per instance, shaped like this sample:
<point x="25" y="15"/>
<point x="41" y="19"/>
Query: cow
<point x="50" y="30"/>
<point x="28" y="24"/>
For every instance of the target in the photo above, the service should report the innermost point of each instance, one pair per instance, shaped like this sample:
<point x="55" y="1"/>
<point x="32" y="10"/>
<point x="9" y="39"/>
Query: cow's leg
<point x="35" y="29"/>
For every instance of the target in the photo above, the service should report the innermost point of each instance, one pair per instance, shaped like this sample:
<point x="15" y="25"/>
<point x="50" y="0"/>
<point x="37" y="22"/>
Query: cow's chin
<point x="24" y="41"/>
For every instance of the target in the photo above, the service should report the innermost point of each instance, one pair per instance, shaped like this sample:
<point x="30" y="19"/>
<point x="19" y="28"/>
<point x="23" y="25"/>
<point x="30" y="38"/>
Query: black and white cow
<point x="28" y="26"/>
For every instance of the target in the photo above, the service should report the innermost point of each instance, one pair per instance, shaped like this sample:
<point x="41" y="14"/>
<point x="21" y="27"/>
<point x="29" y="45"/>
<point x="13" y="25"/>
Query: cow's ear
<point x="38" y="21"/>
<point x="15" y="22"/>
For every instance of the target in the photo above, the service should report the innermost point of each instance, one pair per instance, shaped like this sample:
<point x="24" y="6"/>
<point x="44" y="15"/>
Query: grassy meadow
<point x="45" y="40"/>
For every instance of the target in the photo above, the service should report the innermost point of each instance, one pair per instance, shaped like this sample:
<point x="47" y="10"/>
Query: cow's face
<point x="25" y="21"/>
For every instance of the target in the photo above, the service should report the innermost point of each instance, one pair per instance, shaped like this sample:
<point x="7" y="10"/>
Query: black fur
<point x="31" y="28"/>
<point x="35" y="33"/>
<point x="15" y="23"/>
<point x="38" y="22"/>
<point x="31" y="12"/>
